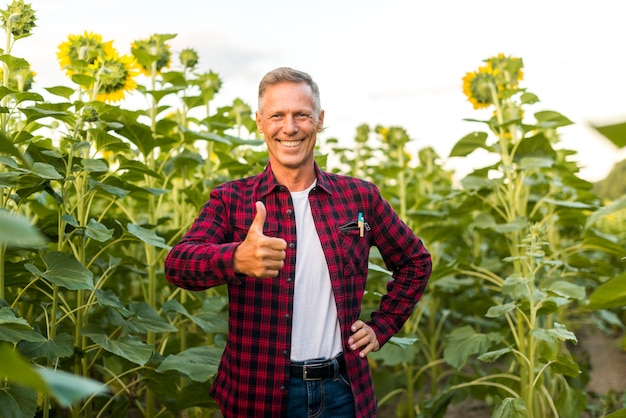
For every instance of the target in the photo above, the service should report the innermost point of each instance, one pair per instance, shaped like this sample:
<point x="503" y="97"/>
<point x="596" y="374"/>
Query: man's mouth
<point x="290" y="144"/>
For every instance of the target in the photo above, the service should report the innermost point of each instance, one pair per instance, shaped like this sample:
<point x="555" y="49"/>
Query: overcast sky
<point x="379" y="62"/>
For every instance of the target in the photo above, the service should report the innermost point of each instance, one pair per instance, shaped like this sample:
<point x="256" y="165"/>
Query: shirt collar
<point x="268" y="181"/>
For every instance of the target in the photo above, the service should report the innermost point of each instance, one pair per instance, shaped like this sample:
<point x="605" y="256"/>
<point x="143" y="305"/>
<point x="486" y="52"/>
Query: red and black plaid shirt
<point x="253" y="376"/>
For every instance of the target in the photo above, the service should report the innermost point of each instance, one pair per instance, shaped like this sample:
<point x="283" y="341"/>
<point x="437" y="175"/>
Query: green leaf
<point x="568" y="204"/>
<point x="97" y="231"/>
<point x="620" y="413"/>
<point x="61" y="347"/>
<point x="147" y="319"/>
<point x="45" y="171"/>
<point x="616" y="133"/>
<point x="500" y="310"/>
<point x="611" y="208"/>
<point x="198" y="363"/>
<point x="565" y="366"/>
<point x="553" y="335"/>
<point x="207" y="136"/>
<point x="208" y="319"/>
<point x="475" y="183"/>
<point x="533" y="163"/>
<point x="464" y="342"/>
<point x="147" y="236"/>
<point x="68" y="389"/>
<point x="16" y="231"/>
<point x="129" y="347"/>
<point x="83" y="80"/>
<point x="14" y="329"/>
<point x="110" y="189"/>
<point x="18" y="402"/>
<point x="609" y="295"/>
<point x="469" y="144"/>
<point x="396" y="351"/>
<point x="33" y="113"/>
<point x="510" y="408"/>
<point x="517" y="225"/>
<point x="551" y="119"/>
<point x="16" y="369"/>
<point x="28" y="96"/>
<point x="109" y="299"/>
<point x="64" y="270"/>
<point x="376" y="267"/>
<point x="492" y="356"/>
<point x="62" y="91"/>
<point x="568" y="290"/>
<point x="94" y="165"/>
<point x="14" y="63"/>
<point x="136" y="166"/>
<point x="7" y="317"/>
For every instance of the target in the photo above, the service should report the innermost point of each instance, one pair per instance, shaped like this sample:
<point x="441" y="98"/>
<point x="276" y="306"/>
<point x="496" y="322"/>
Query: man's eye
<point x="302" y="115"/>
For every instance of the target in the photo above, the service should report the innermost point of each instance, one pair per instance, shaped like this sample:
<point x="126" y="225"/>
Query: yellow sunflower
<point x="508" y="71"/>
<point x="477" y="86"/>
<point x="501" y="73"/>
<point x="114" y="76"/>
<point x="80" y="51"/>
<point x="151" y="50"/>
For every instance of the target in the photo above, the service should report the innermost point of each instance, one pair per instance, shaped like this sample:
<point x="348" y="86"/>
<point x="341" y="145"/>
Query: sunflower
<point x="18" y="18"/>
<point x="501" y="73"/>
<point x="508" y="71"/>
<point x="153" y="49"/>
<point x="477" y="86"/>
<point x="80" y="51"/>
<point x="114" y="75"/>
<point x="21" y="79"/>
<point x="188" y="58"/>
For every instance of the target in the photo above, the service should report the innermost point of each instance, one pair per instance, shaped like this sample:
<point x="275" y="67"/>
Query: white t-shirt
<point x="315" y="333"/>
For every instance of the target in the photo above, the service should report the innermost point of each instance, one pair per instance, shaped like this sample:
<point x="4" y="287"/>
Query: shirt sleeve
<point x="409" y="261"/>
<point x="204" y="256"/>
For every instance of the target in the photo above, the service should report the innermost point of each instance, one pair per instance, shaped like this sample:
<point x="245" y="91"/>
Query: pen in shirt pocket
<point x="360" y="224"/>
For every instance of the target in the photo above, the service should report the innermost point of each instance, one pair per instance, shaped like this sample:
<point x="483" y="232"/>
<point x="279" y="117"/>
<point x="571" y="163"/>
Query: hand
<point x="259" y="255"/>
<point x="363" y="337"/>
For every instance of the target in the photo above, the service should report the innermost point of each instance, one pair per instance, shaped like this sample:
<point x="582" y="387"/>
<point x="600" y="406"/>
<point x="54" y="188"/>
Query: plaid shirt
<point x="253" y="376"/>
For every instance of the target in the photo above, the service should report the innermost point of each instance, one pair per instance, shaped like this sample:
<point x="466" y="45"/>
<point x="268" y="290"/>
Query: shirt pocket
<point x="354" y="249"/>
<point x="241" y="227"/>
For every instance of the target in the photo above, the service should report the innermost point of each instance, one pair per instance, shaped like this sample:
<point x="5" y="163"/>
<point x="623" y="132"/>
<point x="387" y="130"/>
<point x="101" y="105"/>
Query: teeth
<point x="290" y="144"/>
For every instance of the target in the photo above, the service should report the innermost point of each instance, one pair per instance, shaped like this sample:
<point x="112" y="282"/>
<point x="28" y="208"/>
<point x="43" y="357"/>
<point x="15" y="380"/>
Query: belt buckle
<point x="304" y="371"/>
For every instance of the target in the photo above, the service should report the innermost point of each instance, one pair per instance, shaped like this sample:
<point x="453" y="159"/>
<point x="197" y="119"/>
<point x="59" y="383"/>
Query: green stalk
<point x="150" y="250"/>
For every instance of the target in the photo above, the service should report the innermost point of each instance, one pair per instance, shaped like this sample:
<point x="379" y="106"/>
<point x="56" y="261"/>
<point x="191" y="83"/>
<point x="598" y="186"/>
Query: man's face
<point x="290" y="124"/>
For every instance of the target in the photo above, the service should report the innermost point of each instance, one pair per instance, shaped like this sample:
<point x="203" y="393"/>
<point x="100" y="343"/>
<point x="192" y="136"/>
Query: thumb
<point x="259" y="218"/>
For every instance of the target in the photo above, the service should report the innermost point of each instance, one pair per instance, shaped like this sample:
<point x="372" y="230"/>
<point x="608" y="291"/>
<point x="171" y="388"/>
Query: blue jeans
<point x="326" y="398"/>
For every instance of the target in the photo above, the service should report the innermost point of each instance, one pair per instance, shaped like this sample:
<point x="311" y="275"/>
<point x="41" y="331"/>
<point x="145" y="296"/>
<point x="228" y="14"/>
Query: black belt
<point x="317" y="370"/>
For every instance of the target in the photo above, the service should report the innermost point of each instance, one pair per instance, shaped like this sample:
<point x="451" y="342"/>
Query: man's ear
<point x="258" y="122"/>
<point x="320" y="121"/>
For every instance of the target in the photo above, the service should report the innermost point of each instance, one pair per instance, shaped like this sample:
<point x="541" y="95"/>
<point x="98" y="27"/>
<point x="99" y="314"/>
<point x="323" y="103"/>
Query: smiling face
<point x="289" y="121"/>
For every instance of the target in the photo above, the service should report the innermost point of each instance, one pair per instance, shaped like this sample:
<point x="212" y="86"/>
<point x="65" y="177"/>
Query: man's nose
<point x="289" y="124"/>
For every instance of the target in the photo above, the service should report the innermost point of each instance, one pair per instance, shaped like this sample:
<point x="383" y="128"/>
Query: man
<point x="292" y="245"/>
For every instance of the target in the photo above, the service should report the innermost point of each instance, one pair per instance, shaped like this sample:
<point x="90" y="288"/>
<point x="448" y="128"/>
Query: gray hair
<point x="286" y="74"/>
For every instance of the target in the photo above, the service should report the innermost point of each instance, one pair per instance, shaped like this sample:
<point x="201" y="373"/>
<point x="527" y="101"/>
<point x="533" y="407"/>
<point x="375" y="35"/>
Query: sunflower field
<point x="93" y="194"/>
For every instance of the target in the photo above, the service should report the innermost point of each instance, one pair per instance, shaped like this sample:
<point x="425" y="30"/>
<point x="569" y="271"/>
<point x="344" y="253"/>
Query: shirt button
<point x="288" y="212"/>
<point x="292" y="245"/>
<point x="289" y="279"/>
<point x="285" y="353"/>
<point x="287" y="317"/>
<point x="283" y="388"/>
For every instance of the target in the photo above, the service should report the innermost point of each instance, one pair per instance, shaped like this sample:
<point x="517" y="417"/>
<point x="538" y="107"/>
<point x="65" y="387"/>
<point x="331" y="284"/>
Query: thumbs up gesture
<point x="259" y="255"/>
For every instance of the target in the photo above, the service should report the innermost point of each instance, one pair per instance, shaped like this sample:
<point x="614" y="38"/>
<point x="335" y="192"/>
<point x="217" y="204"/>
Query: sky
<point x="391" y="63"/>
